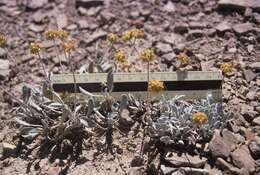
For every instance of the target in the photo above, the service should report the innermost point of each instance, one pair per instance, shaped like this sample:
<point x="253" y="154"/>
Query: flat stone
<point x="169" y="7"/>
<point x="243" y="28"/>
<point x="223" y="27"/>
<point x="256" y="121"/>
<point x="186" y="160"/>
<point x="62" y="20"/>
<point x="36" y="28"/>
<point x="251" y="95"/>
<point x="241" y="157"/>
<point x="222" y="164"/>
<point x="197" y="25"/>
<point x="89" y="3"/>
<point x="4" y="69"/>
<point x="256" y="17"/>
<point x="218" y="147"/>
<point x="163" y="48"/>
<point x="229" y="138"/>
<point x="94" y="37"/>
<point x="239" y="4"/>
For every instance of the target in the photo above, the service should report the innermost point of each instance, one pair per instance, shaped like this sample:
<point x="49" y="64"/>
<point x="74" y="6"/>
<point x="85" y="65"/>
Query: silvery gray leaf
<point x="25" y="123"/>
<point x="110" y="81"/>
<point x="90" y="107"/>
<point x="30" y="132"/>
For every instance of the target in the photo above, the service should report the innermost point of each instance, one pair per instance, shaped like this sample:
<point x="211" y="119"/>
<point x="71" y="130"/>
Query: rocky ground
<point x="209" y="31"/>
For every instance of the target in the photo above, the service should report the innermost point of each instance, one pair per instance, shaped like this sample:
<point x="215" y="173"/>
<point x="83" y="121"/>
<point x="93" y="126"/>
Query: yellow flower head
<point x="226" y="68"/>
<point x="155" y="85"/>
<point x="183" y="58"/>
<point x="111" y="37"/>
<point x="2" y="40"/>
<point x="62" y="34"/>
<point x="137" y="33"/>
<point x="199" y="118"/>
<point x="51" y="34"/>
<point x="127" y="36"/>
<point x="67" y="46"/>
<point x="35" y="48"/>
<point x="147" y="55"/>
<point x="120" y="56"/>
<point x="125" y="66"/>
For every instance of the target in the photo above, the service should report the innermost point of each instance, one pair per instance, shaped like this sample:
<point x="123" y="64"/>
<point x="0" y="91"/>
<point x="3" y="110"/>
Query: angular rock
<point x="241" y="157"/>
<point x="62" y="20"/>
<point x="4" y="69"/>
<point x="125" y="118"/>
<point x="3" y="53"/>
<point x="181" y="28"/>
<point x="169" y="7"/>
<point x="193" y="34"/>
<point x="243" y="28"/>
<point x="249" y="75"/>
<point x="255" y="66"/>
<point x="136" y="171"/>
<point x="163" y="48"/>
<point x="8" y="149"/>
<point x="207" y="65"/>
<point x="254" y="147"/>
<point x="168" y="58"/>
<point x="223" y="165"/>
<point x="223" y="27"/>
<point x="173" y="38"/>
<point x="218" y="147"/>
<point x="229" y="138"/>
<point x="89" y="3"/>
<point x="190" y="171"/>
<point x="256" y="17"/>
<point x="256" y="121"/>
<point x="83" y="24"/>
<point x="38" y="17"/>
<point x="186" y="161"/>
<point x="32" y="4"/>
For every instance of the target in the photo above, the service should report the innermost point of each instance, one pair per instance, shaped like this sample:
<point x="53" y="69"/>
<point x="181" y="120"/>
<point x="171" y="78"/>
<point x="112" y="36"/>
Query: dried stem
<point x="74" y="78"/>
<point x="57" y="54"/>
<point x="43" y="67"/>
<point x="148" y="79"/>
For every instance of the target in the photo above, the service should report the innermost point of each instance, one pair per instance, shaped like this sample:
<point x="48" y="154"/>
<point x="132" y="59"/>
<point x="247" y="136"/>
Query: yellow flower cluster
<point x="125" y="66"/>
<point x="147" y="55"/>
<point x="67" y="46"/>
<point x="226" y="68"/>
<point x="132" y="34"/>
<point x="111" y="37"/>
<point x="120" y="56"/>
<point x="183" y="58"/>
<point x="155" y="85"/>
<point x="199" y="118"/>
<point x="55" y="33"/>
<point x="2" y="40"/>
<point x="35" y="48"/>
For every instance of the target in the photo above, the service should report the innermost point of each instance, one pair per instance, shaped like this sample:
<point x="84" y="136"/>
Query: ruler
<point x="192" y="84"/>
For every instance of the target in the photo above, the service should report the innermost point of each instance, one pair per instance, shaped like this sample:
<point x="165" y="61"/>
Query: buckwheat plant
<point x="179" y="120"/>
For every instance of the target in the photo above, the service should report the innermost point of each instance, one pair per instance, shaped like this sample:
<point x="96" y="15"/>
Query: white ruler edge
<point x="137" y="77"/>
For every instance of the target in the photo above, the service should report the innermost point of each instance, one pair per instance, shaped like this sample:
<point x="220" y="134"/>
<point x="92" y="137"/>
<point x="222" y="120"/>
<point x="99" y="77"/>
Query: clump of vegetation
<point x="63" y="126"/>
